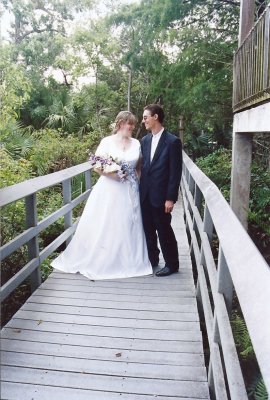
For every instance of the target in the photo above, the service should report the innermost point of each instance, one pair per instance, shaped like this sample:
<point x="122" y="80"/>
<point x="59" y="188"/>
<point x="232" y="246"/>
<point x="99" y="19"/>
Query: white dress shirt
<point x="155" y="140"/>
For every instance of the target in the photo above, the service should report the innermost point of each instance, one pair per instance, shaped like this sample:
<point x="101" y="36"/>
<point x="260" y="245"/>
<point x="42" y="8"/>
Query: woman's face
<point x="128" y="127"/>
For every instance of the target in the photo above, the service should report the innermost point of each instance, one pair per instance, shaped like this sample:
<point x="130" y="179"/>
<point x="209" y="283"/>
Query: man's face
<point x="149" y="120"/>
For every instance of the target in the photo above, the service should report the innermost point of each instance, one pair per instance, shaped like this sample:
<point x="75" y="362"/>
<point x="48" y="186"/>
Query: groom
<point x="159" y="186"/>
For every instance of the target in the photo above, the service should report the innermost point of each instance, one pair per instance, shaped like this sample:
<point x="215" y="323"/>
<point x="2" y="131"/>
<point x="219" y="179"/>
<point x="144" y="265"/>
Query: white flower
<point x="98" y="165"/>
<point x="111" y="168"/>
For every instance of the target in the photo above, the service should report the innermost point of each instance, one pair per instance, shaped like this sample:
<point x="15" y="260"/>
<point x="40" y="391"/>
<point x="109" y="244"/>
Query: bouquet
<point x="108" y="164"/>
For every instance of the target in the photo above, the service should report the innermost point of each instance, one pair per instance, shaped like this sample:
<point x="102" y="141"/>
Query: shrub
<point x="55" y="151"/>
<point x="217" y="166"/>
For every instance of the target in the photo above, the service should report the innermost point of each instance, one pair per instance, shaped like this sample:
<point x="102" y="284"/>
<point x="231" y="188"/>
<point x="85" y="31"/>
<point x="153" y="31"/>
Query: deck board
<point x="130" y="339"/>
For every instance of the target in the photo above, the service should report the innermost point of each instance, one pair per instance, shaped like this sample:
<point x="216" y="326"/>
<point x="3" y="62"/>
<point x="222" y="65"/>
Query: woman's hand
<point x="112" y="175"/>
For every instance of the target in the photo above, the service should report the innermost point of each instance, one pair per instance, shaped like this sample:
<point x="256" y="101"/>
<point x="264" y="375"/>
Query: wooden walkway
<point x="129" y="339"/>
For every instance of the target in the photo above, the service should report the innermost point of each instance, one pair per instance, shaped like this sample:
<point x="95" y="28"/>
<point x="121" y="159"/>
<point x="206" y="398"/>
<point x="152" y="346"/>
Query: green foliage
<point x="260" y="198"/>
<point x="242" y="338"/>
<point x="182" y="55"/>
<point x="257" y="389"/>
<point x="217" y="166"/>
<point x="49" y="201"/>
<point x="15" y="89"/>
<point x="46" y="268"/>
<point x="19" y="142"/>
<point x="12" y="218"/>
<point x="54" y="151"/>
<point x="13" y="171"/>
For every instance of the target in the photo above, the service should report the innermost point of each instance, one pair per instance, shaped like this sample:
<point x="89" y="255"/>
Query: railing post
<point x="88" y="179"/>
<point x="191" y="184"/>
<point x="66" y="200"/>
<point x="208" y="223"/>
<point x="198" y="198"/>
<point x="266" y="77"/>
<point x="225" y="285"/>
<point x="32" y="245"/>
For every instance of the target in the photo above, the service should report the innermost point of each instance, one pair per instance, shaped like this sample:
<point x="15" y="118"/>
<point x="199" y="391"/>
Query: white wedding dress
<point x="109" y="241"/>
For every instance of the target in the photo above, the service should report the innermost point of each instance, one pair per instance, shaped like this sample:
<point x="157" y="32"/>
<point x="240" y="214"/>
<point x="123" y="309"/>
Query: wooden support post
<point x="67" y="199"/>
<point x="266" y="50"/>
<point x="198" y="198"/>
<point x="208" y="226"/>
<point x="225" y="285"/>
<point x="181" y="129"/>
<point x="33" y="248"/>
<point x="88" y="180"/>
<point x="247" y="10"/>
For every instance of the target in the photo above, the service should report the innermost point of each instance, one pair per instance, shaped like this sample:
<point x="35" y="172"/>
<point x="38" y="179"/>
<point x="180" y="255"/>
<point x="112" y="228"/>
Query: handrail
<point x="18" y="191"/>
<point x="251" y="67"/>
<point x="240" y="266"/>
<point x="28" y="190"/>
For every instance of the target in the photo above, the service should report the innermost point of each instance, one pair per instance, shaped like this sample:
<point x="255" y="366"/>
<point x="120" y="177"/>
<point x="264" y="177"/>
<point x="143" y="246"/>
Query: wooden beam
<point x="247" y="9"/>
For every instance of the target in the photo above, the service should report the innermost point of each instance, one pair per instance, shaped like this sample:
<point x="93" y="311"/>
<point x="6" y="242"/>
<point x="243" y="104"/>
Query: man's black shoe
<point x="166" y="271"/>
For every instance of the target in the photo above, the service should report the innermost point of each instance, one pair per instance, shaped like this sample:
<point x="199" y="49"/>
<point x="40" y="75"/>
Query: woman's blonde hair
<point x="123" y="116"/>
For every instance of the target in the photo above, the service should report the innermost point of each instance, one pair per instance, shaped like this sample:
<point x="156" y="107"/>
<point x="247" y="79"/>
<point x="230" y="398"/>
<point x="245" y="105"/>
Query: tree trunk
<point x="129" y="88"/>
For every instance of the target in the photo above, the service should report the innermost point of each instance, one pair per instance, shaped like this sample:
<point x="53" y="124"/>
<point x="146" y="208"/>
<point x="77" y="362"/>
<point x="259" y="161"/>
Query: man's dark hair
<point x="156" y="109"/>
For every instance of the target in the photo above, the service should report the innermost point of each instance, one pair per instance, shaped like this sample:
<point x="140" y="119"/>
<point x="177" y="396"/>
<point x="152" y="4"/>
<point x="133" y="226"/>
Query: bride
<point x="109" y="241"/>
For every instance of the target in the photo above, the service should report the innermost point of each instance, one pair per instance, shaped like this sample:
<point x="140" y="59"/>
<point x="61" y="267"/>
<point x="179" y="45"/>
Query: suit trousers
<point x="158" y="223"/>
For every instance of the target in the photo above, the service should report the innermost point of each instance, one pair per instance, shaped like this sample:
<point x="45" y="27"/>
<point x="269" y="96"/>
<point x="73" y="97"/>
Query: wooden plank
<point x="14" y="390"/>
<point x="177" y="346"/>
<point x="185" y="292"/>
<point x="106" y="383"/>
<point x="107" y="321"/>
<point x="118" y="305"/>
<point x="111" y="313"/>
<point x="106" y="331"/>
<point x="101" y="367"/>
<point x="152" y="283"/>
<point x="112" y="354"/>
<point x="184" y="273"/>
<point x="131" y="288"/>
<point x="117" y="297"/>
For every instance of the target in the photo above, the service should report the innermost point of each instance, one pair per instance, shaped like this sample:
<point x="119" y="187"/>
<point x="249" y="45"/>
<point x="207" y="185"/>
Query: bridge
<point x="147" y="338"/>
<point x="138" y="337"/>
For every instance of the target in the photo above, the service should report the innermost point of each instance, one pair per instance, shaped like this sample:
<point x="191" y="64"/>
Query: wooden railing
<point x="28" y="191"/>
<point x="240" y="269"/>
<point x="251" y="70"/>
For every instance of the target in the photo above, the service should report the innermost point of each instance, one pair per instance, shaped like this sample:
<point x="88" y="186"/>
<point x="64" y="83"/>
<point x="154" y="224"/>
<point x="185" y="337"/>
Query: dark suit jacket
<point x="160" y="179"/>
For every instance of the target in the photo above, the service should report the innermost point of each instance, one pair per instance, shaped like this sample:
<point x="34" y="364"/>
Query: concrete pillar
<point x="240" y="177"/>
<point x="242" y="142"/>
<point x="247" y="10"/>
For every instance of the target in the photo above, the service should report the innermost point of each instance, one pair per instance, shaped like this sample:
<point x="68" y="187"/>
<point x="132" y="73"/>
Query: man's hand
<point x="169" y="206"/>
